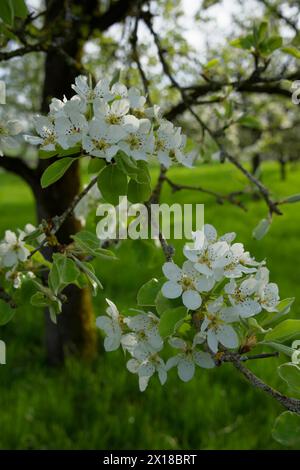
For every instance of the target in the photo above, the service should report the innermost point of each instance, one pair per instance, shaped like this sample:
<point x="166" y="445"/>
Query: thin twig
<point x="59" y="220"/>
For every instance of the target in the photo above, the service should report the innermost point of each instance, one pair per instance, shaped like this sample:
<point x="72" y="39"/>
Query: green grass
<point x="98" y="405"/>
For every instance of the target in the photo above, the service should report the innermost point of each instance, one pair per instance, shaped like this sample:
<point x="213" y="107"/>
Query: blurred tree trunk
<point x="256" y="161"/>
<point x="282" y="163"/>
<point x="75" y="330"/>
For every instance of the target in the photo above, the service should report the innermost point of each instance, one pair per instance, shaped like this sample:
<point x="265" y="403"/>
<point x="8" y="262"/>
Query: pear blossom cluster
<point x="219" y="287"/>
<point x="222" y="284"/>
<point x="139" y="336"/>
<point x="105" y="119"/>
<point x="14" y="252"/>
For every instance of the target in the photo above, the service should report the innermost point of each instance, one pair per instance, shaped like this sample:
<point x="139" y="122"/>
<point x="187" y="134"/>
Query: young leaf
<point x="290" y="373"/>
<point x="283" y="309"/>
<point x="6" y="312"/>
<point x="88" y="270"/>
<point x="290" y="199"/>
<point x="7" y="11"/>
<point x="96" y="165"/>
<point x="20" y="8"/>
<point x="287" y="429"/>
<point x="261" y="229"/>
<point x="89" y="244"/>
<point x="148" y="292"/>
<point x="112" y="184"/>
<point x="63" y="272"/>
<point x="291" y="50"/>
<point x="250" y="121"/>
<point x="55" y="171"/>
<point x="138" y="192"/>
<point x="170" y="319"/>
<point x="284" y="331"/>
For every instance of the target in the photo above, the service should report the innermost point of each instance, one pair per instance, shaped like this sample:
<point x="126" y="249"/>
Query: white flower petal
<point x="191" y="299"/>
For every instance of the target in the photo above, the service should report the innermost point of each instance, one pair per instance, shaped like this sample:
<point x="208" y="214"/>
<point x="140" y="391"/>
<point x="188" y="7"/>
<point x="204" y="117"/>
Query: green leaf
<point x="283" y="309"/>
<point x="245" y="42"/>
<point x="6" y="312"/>
<point x="290" y="373"/>
<point x="88" y="270"/>
<point x="148" y="292"/>
<point x="55" y="171"/>
<point x="96" y="165"/>
<point x="291" y="50"/>
<point x="261" y="229"/>
<point x="279" y="347"/>
<point x="284" y="331"/>
<point x="287" y="429"/>
<point x="20" y="8"/>
<point x="170" y="319"/>
<point x="45" y="154"/>
<point x="262" y="31"/>
<point x="7" y="11"/>
<point x="250" y="121"/>
<point x="138" y="192"/>
<point x="127" y="164"/>
<point x="39" y="258"/>
<point x="290" y="199"/>
<point x="253" y="323"/>
<point x="39" y="300"/>
<point x="162" y="303"/>
<point x="63" y="272"/>
<point x="270" y="45"/>
<point x="70" y="151"/>
<point x="212" y="63"/>
<point x="112" y="184"/>
<point x="89" y="244"/>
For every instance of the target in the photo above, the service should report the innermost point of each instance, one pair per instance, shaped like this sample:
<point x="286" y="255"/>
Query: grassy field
<point x="98" y="405"/>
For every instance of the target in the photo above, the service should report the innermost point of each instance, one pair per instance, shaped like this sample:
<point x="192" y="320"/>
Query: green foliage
<point x="11" y="8"/>
<point x="261" y="229"/>
<point x="170" y="320"/>
<point x="138" y="192"/>
<point x="88" y="244"/>
<point x="6" y="312"/>
<point x="56" y="171"/>
<point x="291" y="50"/>
<point x="63" y="272"/>
<point x="112" y="184"/>
<point x="290" y="373"/>
<point x="284" y="331"/>
<point x="148" y="292"/>
<point x="287" y="429"/>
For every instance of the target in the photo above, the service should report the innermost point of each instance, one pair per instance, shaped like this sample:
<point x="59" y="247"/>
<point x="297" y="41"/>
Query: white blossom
<point x="240" y="297"/>
<point x="101" y="140"/>
<point x="13" y="249"/>
<point x="145" y="366"/>
<point x="88" y="93"/>
<point x="189" y="357"/>
<point x="140" y="142"/>
<point x="185" y="282"/>
<point x="47" y="136"/>
<point x="268" y="294"/>
<point x="111" y="324"/>
<point x="144" y="337"/>
<point x="215" y="324"/>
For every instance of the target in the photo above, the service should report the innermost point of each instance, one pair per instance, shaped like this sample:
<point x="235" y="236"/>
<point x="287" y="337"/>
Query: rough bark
<point x="74" y="331"/>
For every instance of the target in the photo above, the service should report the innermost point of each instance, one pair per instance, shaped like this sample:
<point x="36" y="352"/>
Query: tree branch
<point x="17" y="166"/>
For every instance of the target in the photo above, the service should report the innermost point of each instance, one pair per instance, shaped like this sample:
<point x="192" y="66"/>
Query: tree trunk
<point x="256" y="161"/>
<point x="75" y="330"/>
<point x="282" y="163"/>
